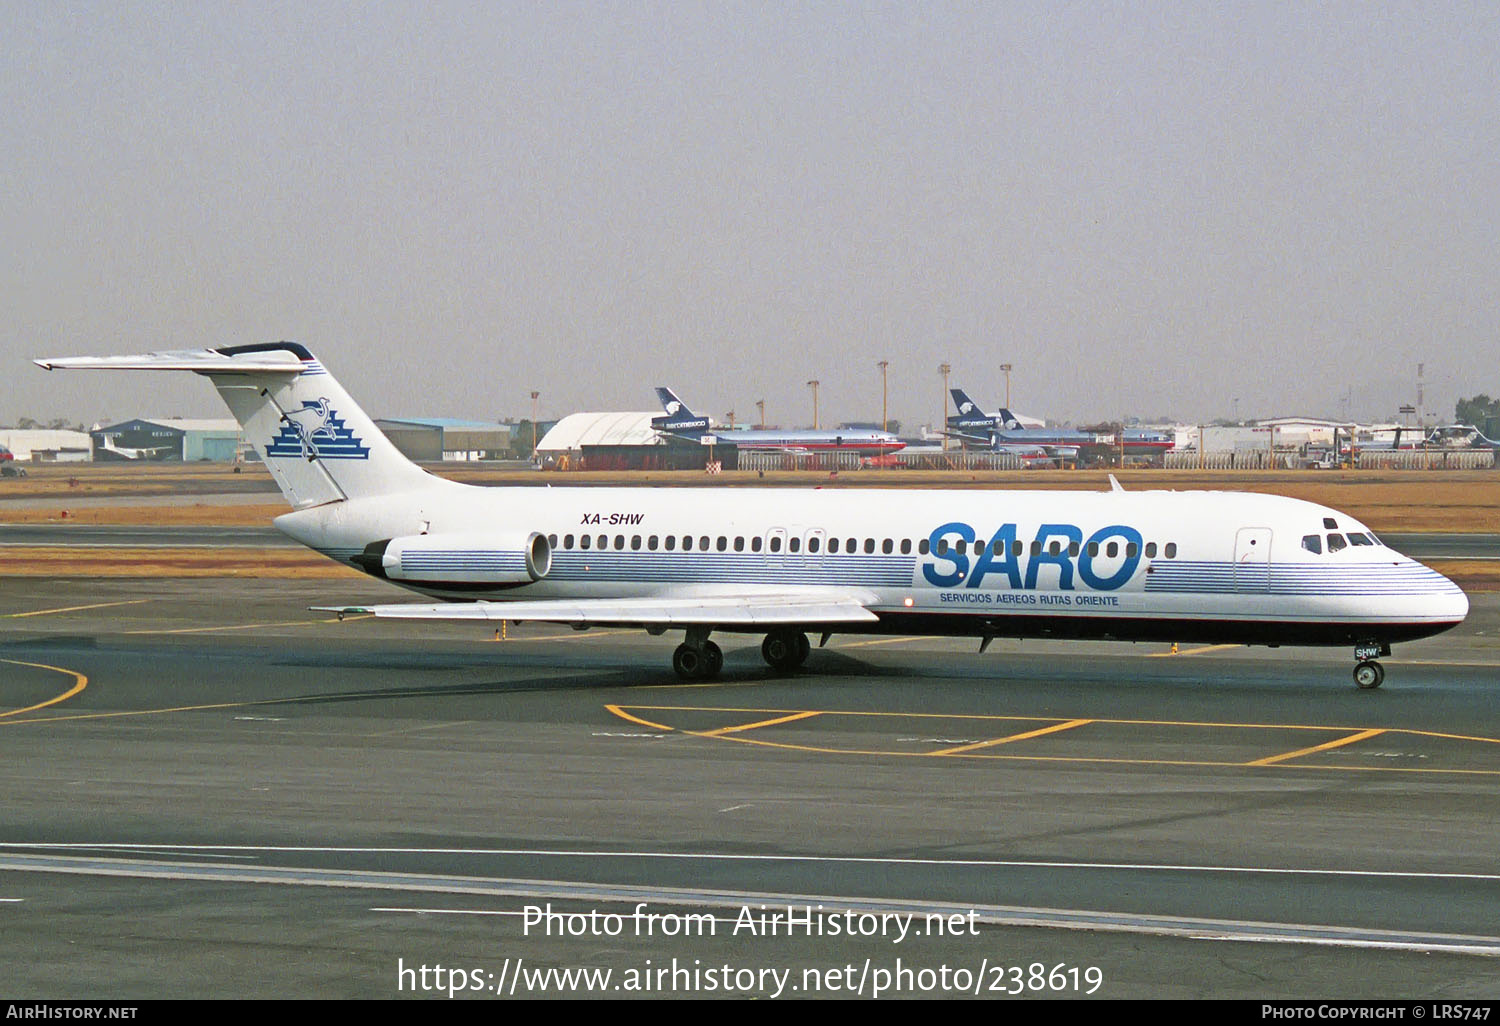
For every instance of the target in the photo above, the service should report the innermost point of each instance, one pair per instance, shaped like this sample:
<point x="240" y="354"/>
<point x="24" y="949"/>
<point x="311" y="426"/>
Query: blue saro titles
<point x="949" y="565"/>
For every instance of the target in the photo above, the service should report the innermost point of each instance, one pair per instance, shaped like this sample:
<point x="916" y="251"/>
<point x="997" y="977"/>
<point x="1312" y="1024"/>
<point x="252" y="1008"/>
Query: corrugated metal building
<point x="446" y="438"/>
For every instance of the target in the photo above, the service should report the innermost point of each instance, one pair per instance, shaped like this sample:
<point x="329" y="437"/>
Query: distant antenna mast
<point x="1421" y="408"/>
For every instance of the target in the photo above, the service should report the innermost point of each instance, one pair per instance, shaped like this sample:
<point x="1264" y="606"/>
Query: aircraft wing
<point x="755" y="611"/>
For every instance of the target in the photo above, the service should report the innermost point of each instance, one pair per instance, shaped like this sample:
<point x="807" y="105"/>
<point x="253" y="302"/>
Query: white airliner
<point x="1210" y="567"/>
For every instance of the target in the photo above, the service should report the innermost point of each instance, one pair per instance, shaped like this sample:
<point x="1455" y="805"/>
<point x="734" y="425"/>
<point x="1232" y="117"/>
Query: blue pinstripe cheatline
<point x="600" y="565"/>
<point x="1298" y="578"/>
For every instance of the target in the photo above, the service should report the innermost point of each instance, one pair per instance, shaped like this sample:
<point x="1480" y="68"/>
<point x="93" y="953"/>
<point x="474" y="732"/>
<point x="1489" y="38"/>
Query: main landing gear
<point x="1368" y="674"/>
<point x="697" y="658"/>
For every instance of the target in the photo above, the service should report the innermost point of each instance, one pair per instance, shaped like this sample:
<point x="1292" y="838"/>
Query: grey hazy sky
<point x="1146" y="208"/>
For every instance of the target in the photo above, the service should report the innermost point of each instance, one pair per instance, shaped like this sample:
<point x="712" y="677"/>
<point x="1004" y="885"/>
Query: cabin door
<point x="1252" y="559"/>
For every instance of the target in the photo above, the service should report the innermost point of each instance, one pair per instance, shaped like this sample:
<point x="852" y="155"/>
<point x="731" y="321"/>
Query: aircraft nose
<point x="1448" y="602"/>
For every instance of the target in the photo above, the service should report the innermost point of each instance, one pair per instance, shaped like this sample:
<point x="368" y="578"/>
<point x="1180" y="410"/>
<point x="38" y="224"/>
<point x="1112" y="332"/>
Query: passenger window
<point x="1015" y="548"/>
<point x="739" y="544"/>
<point x="833" y="545"/>
<point x="869" y="544"/>
<point x="1336" y="542"/>
<point x="794" y="545"/>
<point x="1073" y="549"/>
<point x="567" y="541"/>
<point x="755" y="544"/>
<point x="812" y="544"/>
<point x="942" y="547"/>
<point x="905" y="546"/>
<point x="1312" y="543"/>
<point x="776" y="544"/>
<point x="552" y="540"/>
<point x="1093" y="549"/>
<point x="961" y="547"/>
<point x="687" y="543"/>
<point x="1112" y="549"/>
<point x="703" y="543"/>
<point x="1036" y="548"/>
<point x="635" y="542"/>
<point x="1131" y="549"/>
<point x="671" y="542"/>
<point x="922" y="547"/>
<point x="619" y="541"/>
<point x="651" y="543"/>
<point x="1170" y="551"/>
<point x="887" y="546"/>
<point x="851" y="545"/>
<point x="602" y="542"/>
<point x="1054" y="547"/>
<point x="1151" y="550"/>
<point x="583" y="542"/>
<point x="723" y="543"/>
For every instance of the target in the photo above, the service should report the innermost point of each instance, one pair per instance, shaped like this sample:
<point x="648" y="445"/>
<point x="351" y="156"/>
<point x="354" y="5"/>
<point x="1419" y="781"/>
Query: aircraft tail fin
<point x="678" y="417"/>
<point x="317" y="443"/>
<point x="967" y="408"/>
<point x="1009" y="420"/>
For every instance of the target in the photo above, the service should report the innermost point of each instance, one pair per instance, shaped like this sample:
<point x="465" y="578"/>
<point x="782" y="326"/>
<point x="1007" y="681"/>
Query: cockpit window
<point x="1312" y="543"/>
<point x="1336" y="542"/>
<point x="1355" y="538"/>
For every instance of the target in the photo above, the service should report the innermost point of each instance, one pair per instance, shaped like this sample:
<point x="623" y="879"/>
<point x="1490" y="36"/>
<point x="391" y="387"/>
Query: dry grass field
<point x="166" y="494"/>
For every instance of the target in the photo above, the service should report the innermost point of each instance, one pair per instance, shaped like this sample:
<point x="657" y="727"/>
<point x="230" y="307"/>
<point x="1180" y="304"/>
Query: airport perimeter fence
<point x="1426" y="459"/>
<point x="828" y="461"/>
<point x="799" y="461"/>
<point x="1401" y="459"/>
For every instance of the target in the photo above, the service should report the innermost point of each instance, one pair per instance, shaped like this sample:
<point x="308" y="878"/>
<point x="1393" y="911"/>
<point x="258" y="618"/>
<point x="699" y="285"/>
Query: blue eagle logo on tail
<point x="316" y="431"/>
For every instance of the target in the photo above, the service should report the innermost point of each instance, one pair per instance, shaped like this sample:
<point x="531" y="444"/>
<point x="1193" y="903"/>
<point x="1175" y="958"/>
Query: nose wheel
<point x="1368" y="674"/>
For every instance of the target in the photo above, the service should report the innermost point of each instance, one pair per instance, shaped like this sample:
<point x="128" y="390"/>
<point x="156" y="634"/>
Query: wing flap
<point x="757" y="611"/>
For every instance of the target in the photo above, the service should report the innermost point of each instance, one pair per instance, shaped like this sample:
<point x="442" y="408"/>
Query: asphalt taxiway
<point x="213" y="791"/>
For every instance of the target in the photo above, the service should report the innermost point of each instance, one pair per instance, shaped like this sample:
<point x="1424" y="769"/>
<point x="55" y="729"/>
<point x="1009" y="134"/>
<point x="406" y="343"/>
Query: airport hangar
<point x="624" y="441"/>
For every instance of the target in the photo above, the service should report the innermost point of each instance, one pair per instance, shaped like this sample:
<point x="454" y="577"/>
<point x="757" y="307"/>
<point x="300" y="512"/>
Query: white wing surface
<point x="725" y="612"/>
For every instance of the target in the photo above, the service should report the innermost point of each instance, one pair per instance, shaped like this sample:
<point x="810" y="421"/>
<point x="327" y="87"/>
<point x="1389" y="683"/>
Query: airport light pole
<point x="760" y="411"/>
<point x="884" y="394"/>
<point x="814" y="386"/>
<point x="944" y="369"/>
<point x="1006" y="368"/>
<point x="534" y="397"/>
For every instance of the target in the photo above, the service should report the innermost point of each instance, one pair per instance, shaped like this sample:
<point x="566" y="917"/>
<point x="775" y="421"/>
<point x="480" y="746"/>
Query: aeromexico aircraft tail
<point x="968" y="409"/>
<point x="317" y="443"/>
<point x="679" y="419"/>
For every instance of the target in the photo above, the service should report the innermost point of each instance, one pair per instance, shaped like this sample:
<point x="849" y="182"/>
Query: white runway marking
<point x="1163" y="867"/>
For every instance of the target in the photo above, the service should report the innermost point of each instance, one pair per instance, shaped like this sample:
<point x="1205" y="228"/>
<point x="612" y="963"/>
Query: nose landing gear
<point x="1368" y="674"/>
